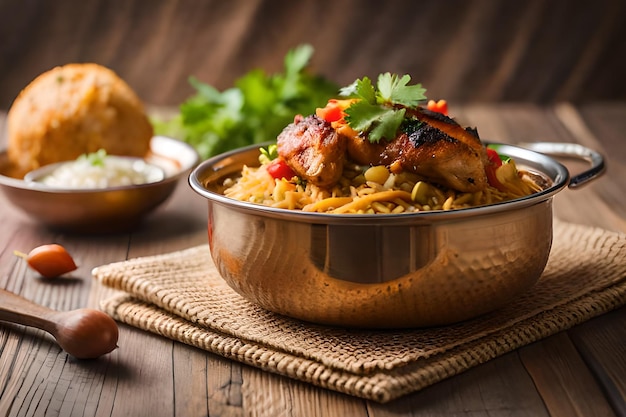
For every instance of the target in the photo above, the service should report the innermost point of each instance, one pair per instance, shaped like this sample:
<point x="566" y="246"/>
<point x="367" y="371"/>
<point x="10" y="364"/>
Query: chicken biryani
<point x="380" y="149"/>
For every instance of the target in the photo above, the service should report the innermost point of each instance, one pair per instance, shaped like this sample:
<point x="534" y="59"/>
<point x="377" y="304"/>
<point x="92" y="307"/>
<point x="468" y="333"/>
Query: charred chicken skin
<point x="433" y="146"/>
<point x="313" y="149"/>
<point x="440" y="150"/>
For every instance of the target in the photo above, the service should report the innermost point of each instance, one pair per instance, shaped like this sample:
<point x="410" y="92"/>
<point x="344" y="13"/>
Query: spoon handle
<point x="17" y="309"/>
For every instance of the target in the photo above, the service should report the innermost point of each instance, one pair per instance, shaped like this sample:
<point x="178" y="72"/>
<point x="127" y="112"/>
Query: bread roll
<point x="75" y="109"/>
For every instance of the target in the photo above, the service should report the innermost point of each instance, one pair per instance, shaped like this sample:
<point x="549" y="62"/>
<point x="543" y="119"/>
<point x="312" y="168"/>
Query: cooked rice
<point x="404" y="192"/>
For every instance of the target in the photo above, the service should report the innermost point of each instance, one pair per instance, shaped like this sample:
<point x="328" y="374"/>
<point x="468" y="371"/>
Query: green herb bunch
<point x="255" y="110"/>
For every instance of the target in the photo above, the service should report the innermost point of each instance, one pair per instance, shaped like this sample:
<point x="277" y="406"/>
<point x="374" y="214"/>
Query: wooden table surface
<point x="579" y="372"/>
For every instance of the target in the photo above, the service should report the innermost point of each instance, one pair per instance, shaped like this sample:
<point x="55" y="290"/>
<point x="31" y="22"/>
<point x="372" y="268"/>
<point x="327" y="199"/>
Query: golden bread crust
<point x="75" y="109"/>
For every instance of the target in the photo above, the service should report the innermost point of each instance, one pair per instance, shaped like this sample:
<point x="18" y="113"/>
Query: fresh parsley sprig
<point x="376" y="112"/>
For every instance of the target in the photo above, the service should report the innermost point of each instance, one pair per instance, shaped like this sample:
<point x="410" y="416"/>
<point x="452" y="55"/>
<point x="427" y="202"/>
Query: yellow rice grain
<point x="354" y="194"/>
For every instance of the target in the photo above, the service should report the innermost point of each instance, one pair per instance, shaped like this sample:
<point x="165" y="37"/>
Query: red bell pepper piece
<point x="493" y="163"/>
<point x="440" y="106"/>
<point x="279" y="169"/>
<point x="332" y="112"/>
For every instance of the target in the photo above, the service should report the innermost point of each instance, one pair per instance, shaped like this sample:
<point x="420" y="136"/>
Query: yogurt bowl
<point x="113" y="207"/>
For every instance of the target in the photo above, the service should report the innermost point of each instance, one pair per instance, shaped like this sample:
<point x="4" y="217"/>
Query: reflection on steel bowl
<point x="384" y="270"/>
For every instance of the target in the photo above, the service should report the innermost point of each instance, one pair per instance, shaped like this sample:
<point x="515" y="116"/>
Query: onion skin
<point x="86" y="333"/>
<point x="50" y="261"/>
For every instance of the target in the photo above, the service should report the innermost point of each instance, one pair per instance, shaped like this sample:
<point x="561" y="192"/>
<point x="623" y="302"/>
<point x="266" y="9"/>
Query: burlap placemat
<point x="181" y="296"/>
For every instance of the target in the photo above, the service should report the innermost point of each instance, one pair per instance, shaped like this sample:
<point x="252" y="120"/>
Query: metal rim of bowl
<point x="537" y="162"/>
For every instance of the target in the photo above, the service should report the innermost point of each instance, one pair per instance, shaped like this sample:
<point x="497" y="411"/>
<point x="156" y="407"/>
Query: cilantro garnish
<point x="376" y="113"/>
<point x="95" y="159"/>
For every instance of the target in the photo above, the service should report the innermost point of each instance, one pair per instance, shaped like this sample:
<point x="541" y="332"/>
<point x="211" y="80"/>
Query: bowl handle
<point x="572" y="150"/>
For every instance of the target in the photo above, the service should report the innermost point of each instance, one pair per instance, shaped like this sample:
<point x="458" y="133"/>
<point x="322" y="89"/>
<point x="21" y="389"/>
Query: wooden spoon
<point x="83" y="333"/>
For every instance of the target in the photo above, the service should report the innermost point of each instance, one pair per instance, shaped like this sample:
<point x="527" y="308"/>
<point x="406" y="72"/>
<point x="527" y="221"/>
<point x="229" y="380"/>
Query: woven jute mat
<point x="180" y="296"/>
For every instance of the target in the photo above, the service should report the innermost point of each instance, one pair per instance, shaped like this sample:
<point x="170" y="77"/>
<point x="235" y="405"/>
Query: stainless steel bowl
<point x="106" y="210"/>
<point x="385" y="271"/>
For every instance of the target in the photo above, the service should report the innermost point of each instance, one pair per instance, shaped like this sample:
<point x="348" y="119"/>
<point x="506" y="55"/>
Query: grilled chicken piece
<point x="437" y="148"/>
<point x="313" y="149"/>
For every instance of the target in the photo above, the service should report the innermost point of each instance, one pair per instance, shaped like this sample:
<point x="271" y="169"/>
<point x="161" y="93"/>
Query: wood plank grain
<point x="562" y="378"/>
<point x="266" y="394"/>
<point x="179" y="224"/>
<point x="602" y="126"/>
<point x="225" y="382"/>
<point x="607" y="121"/>
<point x="17" y="356"/>
<point x="603" y="206"/>
<point x="498" y="387"/>
<point x="602" y="346"/>
<point x="144" y="375"/>
<point x="205" y="384"/>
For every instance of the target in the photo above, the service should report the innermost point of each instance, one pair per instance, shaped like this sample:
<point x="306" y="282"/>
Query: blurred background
<point x="461" y="50"/>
